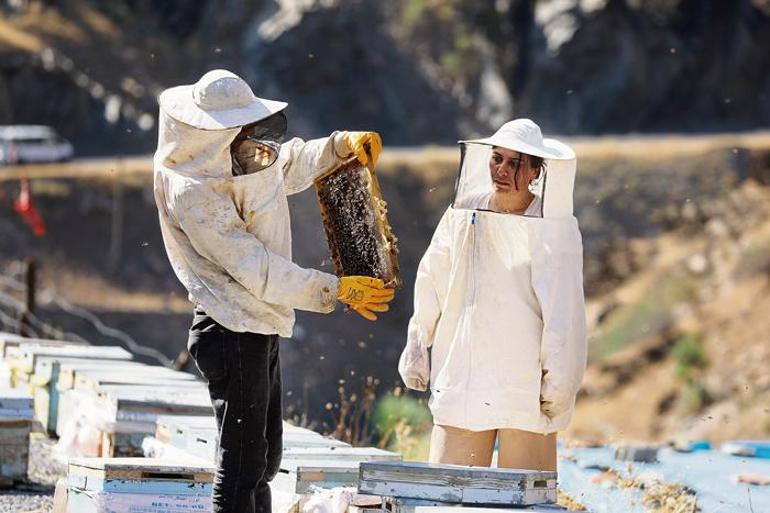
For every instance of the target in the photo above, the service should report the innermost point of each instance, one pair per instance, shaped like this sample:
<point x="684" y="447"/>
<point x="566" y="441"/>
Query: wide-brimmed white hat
<point x="524" y="136"/>
<point x="219" y="100"/>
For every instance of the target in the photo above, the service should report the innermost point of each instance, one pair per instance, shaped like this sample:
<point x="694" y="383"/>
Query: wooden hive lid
<point x="142" y="469"/>
<point x="457" y="475"/>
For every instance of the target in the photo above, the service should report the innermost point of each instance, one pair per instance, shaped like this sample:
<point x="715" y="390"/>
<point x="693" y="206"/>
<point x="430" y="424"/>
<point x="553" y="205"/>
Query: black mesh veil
<point x="272" y="128"/>
<point x="257" y="146"/>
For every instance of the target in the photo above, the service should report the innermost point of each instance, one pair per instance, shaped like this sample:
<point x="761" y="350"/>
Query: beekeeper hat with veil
<point x="552" y="188"/>
<point x="499" y="296"/>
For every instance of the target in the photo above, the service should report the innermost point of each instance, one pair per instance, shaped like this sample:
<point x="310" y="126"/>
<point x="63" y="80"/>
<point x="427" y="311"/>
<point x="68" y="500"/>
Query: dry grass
<point x="48" y="21"/>
<point x="661" y="497"/>
<point x="98" y="22"/>
<point x="434" y="164"/>
<point x="81" y="168"/>
<point x="91" y="291"/>
<point x="665" y="146"/>
<point x="568" y="502"/>
<point x="647" y="147"/>
<point x="17" y="38"/>
<point x="657" y="496"/>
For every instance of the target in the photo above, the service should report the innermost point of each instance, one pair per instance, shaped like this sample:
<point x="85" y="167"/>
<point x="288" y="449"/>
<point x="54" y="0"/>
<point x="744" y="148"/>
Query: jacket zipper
<point x="473" y="257"/>
<point x="472" y="263"/>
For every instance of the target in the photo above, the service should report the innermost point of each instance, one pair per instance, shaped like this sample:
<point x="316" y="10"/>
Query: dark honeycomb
<point x="355" y="222"/>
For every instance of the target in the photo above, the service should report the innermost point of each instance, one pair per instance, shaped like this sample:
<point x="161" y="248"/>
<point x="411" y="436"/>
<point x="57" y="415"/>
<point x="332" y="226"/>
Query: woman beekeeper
<point x="499" y="300"/>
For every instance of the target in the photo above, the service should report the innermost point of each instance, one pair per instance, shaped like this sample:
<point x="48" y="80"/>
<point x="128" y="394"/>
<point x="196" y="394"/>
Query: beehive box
<point x="178" y="429"/>
<point x="15" y="404"/>
<point x="637" y="453"/>
<point x="201" y="441"/>
<point x="303" y="476"/>
<point x="8" y="340"/>
<point x="62" y="374"/>
<point x="146" y="485"/>
<point x="133" y="413"/>
<point x="458" y="484"/>
<point x="66" y="369"/>
<point x="149" y="375"/>
<point x="15" y="426"/>
<point x="306" y="469"/>
<point x="22" y="358"/>
<point x="126" y="414"/>
<point x="395" y="505"/>
<point x="198" y="436"/>
<point x="5" y="374"/>
<point x="357" y="454"/>
<point x="354" y="215"/>
<point x="44" y="383"/>
<point x="748" y="448"/>
<point x="146" y="403"/>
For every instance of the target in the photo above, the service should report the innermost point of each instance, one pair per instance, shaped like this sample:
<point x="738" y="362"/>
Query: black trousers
<point x="244" y="381"/>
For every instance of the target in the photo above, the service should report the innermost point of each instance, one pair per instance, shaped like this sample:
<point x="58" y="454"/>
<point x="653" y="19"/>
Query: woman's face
<point x="510" y="170"/>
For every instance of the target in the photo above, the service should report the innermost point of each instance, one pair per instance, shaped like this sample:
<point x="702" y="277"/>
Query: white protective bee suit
<point x="499" y="299"/>
<point x="229" y="238"/>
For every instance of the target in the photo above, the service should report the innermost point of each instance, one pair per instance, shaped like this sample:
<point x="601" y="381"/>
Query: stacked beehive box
<point x="147" y="485"/>
<point x="124" y="413"/>
<point x="410" y="487"/>
<point x="15" y="426"/>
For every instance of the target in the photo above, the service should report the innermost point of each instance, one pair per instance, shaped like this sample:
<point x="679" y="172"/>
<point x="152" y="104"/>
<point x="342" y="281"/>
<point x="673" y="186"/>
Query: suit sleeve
<point x="304" y="161"/>
<point x="557" y="279"/>
<point x="429" y="293"/>
<point x="217" y="233"/>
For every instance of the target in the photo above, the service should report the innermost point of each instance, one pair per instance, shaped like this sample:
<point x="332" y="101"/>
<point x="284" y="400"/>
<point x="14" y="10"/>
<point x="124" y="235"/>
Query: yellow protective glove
<point x="365" y="295"/>
<point x="366" y="146"/>
<point x="366" y="310"/>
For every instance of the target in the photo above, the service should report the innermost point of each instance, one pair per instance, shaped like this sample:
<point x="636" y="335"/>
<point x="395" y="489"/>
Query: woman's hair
<point x="537" y="163"/>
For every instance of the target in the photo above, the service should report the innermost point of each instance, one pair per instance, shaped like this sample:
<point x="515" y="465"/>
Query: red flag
<point x="23" y="205"/>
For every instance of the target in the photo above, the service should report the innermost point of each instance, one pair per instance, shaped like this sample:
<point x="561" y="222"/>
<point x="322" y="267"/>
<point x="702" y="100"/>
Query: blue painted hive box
<point x="147" y="485"/>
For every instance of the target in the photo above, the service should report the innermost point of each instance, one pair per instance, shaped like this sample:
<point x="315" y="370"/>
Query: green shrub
<point x="651" y="314"/>
<point x="402" y="423"/>
<point x="689" y="357"/>
<point x="694" y="397"/>
<point x="628" y="324"/>
<point x="400" y="407"/>
<point x="690" y="360"/>
<point x="412" y="13"/>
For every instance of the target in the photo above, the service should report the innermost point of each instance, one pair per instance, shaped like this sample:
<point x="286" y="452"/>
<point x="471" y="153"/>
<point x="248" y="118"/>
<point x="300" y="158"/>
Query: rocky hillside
<point x="418" y="71"/>
<point x="679" y="350"/>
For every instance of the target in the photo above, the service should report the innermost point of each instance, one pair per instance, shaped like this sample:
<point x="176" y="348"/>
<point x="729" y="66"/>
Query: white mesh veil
<point x="552" y="189"/>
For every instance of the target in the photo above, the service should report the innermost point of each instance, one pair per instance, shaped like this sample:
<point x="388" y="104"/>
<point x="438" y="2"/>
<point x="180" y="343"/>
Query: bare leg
<point x="526" y="450"/>
<point x="457" y="446"/>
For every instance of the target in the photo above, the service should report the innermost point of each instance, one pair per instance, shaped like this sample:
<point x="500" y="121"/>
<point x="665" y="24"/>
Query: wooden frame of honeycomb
<point x="355" y="220"/>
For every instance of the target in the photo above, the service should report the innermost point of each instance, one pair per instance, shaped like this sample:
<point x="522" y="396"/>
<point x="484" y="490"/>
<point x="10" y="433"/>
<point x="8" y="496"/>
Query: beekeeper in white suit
<point x="499" y="302"/>
<point x="222" y="174"/>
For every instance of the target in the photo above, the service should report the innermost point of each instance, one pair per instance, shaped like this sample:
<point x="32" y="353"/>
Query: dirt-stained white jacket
<point x="499" y="300"/>
<point x="228" y="238"/>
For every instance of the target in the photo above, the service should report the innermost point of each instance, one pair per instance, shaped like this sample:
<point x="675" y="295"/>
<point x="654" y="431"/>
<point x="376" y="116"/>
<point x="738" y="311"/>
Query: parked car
<point x="21" y="144"/>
